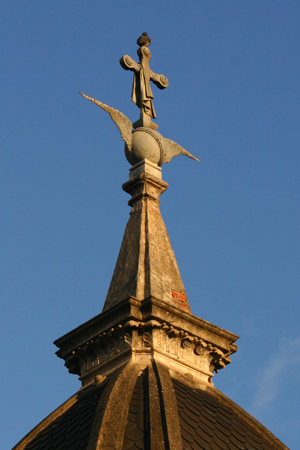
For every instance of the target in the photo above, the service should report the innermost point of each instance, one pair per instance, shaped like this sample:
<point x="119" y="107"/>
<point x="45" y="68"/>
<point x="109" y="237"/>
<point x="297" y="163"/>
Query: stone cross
<point x="141" y="91"/>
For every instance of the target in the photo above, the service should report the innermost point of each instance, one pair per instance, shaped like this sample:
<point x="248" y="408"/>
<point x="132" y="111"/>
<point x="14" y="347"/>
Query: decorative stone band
<point x="142" y="341"/>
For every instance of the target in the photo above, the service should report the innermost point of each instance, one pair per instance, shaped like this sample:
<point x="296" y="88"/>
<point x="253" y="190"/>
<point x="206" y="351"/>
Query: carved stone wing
<point x="172" y="149"/>
<point x="122" y="122"/>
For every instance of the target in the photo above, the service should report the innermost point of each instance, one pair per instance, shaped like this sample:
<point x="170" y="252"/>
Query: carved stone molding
<point x="98" y="351"/>
<point x="146" y="340"/>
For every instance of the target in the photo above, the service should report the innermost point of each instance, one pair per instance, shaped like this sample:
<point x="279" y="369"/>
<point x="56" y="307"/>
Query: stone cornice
<point x="142" y="330"/>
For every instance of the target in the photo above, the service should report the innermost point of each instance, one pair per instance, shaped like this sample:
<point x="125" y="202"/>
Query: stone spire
<point x="146" y="265"/>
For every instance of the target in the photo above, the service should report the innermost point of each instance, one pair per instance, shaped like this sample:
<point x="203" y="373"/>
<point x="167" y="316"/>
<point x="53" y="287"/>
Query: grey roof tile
<point x="215" y="425"/>
<point x="72" y="428"/>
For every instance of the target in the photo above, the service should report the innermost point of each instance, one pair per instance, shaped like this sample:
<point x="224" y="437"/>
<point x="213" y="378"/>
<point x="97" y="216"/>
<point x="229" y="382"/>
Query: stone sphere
<point x="146" y="143"/>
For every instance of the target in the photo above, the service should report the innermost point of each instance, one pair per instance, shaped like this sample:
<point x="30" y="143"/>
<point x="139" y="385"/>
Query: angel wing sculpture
<point x="132" y="138"/>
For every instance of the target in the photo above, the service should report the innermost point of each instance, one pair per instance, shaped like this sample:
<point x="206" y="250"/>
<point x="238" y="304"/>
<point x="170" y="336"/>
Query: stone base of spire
<point x="143" y="331"/>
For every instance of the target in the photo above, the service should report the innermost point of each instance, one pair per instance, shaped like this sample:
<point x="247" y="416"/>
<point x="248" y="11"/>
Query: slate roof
<point x="72" y="429"/>
<point x="208" y="424"/>
<point x="160" y="413"/>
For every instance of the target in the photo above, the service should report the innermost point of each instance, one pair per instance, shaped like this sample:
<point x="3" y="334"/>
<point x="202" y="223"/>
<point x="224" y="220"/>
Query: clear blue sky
<point x="233" y="219"/>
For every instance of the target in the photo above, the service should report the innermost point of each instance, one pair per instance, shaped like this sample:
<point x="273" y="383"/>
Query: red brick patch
<point x="181" y="300"/>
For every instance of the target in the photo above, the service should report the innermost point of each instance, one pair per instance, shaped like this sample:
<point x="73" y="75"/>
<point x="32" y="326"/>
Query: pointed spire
<point x="146" y="266"/>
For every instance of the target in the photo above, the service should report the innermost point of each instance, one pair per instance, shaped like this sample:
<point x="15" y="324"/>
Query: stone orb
<point x="146" y="143"/>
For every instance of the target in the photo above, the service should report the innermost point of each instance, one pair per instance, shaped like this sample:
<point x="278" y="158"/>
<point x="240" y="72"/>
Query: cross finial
<point x="142" y="94"/>
<point x="142" y="143"/>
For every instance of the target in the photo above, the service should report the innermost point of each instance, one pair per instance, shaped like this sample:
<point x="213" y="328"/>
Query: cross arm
<point x="159" y="80"/>
<point x="129" y="64"/>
